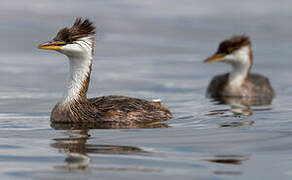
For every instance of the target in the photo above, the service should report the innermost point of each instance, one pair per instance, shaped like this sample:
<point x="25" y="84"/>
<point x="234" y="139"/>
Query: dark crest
<point x="81" y="28"/>
<point x="232" y="44"/>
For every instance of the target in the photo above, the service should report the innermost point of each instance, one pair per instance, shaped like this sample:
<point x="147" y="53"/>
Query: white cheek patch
<point x="241" y="62"/>
<point x="71" y="49"/>
<point x="240" y="56"/>
<point x="80" y="46"/>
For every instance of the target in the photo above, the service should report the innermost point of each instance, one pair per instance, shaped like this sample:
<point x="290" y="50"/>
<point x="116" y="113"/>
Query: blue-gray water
<point x="147" y="49"/>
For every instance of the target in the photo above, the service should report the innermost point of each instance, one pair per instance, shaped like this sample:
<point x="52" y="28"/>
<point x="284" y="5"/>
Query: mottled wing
<point x="261" y="85"/>
<point x="216" y="86"/>
<point x="122" y="109"/>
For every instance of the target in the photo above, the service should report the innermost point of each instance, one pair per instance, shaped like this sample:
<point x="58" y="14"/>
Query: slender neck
<point x="79" y="78"/>
<point x="241" y="68"/>
<point x="80" y="69"/>
<point x="238" y="74"/>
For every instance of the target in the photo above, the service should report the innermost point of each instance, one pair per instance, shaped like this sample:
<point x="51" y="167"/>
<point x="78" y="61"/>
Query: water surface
<point x="152" y="50"/>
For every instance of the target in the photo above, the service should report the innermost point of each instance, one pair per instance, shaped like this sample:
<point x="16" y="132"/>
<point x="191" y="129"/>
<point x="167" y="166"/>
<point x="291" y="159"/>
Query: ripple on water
<point x="24" y="121"/>
<point x="153" y="50"/>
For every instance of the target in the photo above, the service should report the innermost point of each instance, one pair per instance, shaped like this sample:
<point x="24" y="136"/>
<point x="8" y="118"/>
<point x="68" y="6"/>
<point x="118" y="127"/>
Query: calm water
<point x="150" y="49"/>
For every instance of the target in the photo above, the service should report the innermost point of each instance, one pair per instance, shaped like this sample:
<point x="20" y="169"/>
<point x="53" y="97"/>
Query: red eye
<point x="229" y="50"/>
<point x="68" y="41"/>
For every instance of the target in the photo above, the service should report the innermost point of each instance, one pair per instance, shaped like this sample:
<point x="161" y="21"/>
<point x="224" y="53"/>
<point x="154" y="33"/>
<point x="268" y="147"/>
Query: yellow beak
<point x="52" y="45"/>
<point x="215" y="58"/>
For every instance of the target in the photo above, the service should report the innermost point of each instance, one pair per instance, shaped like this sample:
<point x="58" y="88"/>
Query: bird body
<point x="120" y="109"/>
<point x="255" y="86"/>
<point x="77" y="43"/>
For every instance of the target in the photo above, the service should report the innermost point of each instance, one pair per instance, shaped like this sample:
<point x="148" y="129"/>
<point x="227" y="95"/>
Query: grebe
<point x="239" y="82"/>
<point x="77" y="43"/>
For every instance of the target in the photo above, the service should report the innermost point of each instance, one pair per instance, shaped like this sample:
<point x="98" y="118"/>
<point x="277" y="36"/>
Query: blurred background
<point x="148" y="49"/>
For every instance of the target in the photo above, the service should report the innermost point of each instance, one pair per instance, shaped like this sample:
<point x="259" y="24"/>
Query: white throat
<point x="241" y="62"/>
<point x="80" y="69"/>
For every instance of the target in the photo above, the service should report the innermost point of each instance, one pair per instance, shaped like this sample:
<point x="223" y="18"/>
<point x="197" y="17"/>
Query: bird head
<point x="235" y="51"/>
<point x="74" y="41"/>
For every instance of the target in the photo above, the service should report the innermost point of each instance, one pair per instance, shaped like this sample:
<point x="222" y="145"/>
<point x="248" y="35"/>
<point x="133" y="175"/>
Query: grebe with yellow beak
<point x="77" y="43"/>
<point x="237" y="52"/>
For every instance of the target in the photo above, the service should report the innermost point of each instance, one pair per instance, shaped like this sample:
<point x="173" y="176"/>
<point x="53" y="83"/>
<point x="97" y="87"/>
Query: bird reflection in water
<point x="228" y="160"/>
<point x="74" y="145"/>
<point x="77" y="149"/>
<point x="239" y="107"/>
<point x="108" y="125"/>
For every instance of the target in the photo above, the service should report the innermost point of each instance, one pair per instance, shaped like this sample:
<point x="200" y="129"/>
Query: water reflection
<point x="75" y="146"/>
<point x="236" y="124"/>
<point x="227" y="159"/>
<point x="240" y="107"/>
<point x="228" y="172"/>
<point x="107" y="125"/>
<point x="77" y="149"/>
